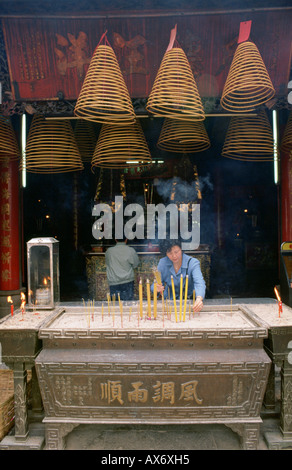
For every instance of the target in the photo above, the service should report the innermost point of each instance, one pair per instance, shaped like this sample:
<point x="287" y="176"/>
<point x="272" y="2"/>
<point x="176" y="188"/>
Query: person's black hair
<point x="166" y="245"/>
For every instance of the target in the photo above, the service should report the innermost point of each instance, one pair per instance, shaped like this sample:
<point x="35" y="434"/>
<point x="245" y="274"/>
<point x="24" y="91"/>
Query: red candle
<point x="9" y="299"/>
<point x="279" y="301"/>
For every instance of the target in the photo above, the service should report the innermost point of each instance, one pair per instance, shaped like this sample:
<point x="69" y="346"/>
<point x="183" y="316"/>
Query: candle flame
<point x="45" y="281"/>
<point x="277" y="294"/>
<point x="22" y="296"/>
<point x="9" y="299"/>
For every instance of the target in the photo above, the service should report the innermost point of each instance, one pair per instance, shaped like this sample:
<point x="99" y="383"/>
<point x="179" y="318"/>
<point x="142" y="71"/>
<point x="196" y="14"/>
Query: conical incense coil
<point x="183" y="136"/>
<point x="248" y="84"/>
<point x="249" y="139"/>
<point x="174" y="92"/>
<point x="286" y="143"/>
<point x="8" y="144"/>
<point x="85" y="138"/>
<point x="104" y="97"/>
<point x="121" y="147"/>
<point x="51" y="147"/>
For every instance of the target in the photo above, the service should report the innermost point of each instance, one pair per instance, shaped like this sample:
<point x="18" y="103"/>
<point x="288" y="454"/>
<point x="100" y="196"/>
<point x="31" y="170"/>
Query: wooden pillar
<point x="286" y="196"/>
<point x="9" y="235"/>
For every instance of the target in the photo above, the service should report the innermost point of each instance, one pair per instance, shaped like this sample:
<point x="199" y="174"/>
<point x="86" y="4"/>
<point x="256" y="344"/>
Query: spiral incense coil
<point x="104" y="97"/>
<point x="8" y="143"/>
<point x="85" y="138"/>
<point x="249" y="139"/>
<point x="51" y="147"/>
<point x="183" y="136"/>
<point x="174" y="93"/>
<point x="121" y="147"/>
<point x="286" y="144"/>
<point x="248" y="84"/>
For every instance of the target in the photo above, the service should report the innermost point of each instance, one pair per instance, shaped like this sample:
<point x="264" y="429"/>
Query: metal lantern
<point x="43" y="273"/>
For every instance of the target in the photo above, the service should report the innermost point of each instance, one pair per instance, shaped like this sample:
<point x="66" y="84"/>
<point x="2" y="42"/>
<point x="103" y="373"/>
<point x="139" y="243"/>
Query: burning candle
<point x="141" y="298"/>
<point x="279" y="301"/>
<point x="22" y="306"/>
<point x="148" y="298"/>
<point x="277" y="294"/>
<point x="9" y="300"/>
<point x="180" y="296"/>
<point x="186" y="296"/>
<point x="174" y="298"/>
<point x="155" y="299"/>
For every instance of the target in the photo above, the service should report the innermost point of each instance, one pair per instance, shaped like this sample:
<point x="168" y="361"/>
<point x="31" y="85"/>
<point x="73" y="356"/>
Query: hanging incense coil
<point x="51" y="147"/>
<point x="121" y="147"/>
<point x="104" y="97"/>
<point x="183" y="136"/>
<point x="249" y="139"/>
<point x="174" y="93"/>
<point x="248" y="84"/>
<point x="85" y="138"/>
<point x="8" y="144"/>
<point x="286" y="143"/>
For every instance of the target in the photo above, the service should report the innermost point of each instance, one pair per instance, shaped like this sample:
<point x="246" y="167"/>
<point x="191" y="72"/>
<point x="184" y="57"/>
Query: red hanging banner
<point x="46" y="56"/>
<point x="9" y="226"/>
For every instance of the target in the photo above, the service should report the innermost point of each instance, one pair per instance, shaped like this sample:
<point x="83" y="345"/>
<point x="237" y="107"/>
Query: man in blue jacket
<point x="176" y="263"/>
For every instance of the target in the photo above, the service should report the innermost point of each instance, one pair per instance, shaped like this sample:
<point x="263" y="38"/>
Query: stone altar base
<point x="31" y="443"/>
<point x="276" y="441"/>
<point x="101" y="369"/>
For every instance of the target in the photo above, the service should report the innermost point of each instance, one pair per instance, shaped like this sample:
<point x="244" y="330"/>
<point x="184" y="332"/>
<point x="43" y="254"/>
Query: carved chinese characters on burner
<point x="115" y="392"/>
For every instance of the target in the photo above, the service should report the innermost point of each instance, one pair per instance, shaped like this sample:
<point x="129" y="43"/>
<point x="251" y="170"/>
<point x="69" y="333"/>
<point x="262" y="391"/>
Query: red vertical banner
<point x="9" y="226"/>
<point x="286" y="195"/>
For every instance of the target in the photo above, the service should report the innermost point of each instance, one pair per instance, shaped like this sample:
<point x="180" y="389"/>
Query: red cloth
<point x="50" y="55"/>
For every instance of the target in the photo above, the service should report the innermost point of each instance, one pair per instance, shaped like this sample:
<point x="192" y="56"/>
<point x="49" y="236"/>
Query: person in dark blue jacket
<point x="173" y="265"/>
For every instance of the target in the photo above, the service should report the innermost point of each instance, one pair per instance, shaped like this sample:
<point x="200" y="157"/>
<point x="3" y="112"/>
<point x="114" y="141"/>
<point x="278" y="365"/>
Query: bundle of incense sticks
<point x="157" y="275"/>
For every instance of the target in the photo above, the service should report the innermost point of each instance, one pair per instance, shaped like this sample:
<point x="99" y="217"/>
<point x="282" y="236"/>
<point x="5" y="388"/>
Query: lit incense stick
<point x="108" y="303"/>
<point x="174" y="298"/>
<point x="141" y="298"/>
<point x="148" y="298"/>
<point x="180" y="296"/>
<point x="155" y="299"/>
<point x="186" y="296"/>
<point x="157" y="275"/>
<point x="121" y="309"/>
